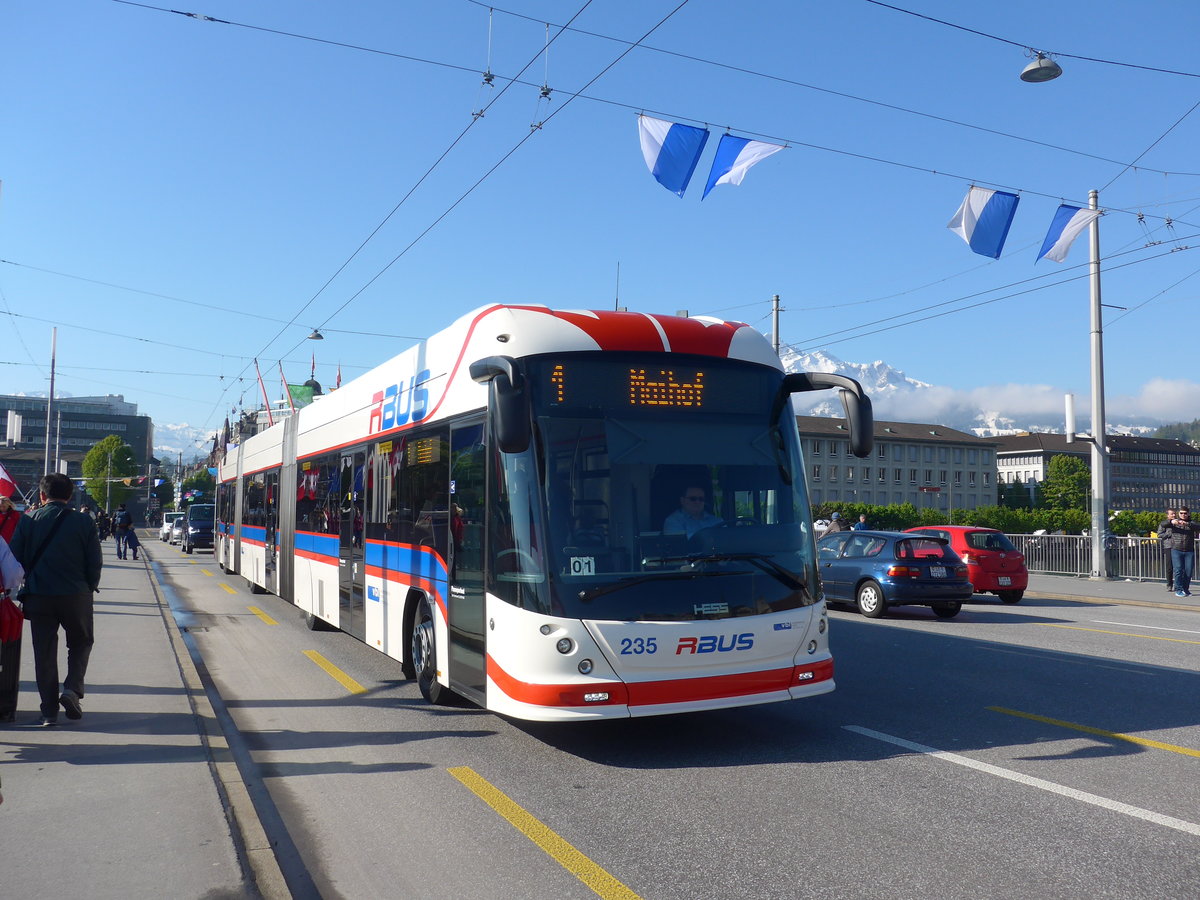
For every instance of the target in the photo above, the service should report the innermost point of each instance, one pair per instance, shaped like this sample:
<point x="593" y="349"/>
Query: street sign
<point x="930" y="490"/>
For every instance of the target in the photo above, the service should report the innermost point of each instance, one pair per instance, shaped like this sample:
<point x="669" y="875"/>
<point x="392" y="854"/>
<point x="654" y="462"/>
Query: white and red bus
<point x="498" y="509"/>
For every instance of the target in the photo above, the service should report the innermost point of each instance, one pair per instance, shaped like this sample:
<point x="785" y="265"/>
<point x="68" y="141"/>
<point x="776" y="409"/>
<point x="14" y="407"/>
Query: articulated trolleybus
<point x="499" y="509"/>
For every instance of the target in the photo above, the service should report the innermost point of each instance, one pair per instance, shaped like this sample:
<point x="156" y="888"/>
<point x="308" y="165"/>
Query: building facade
<point x="1144" y="474"/>
<point x="77" y="424"/>
<point x="929" y="466"/>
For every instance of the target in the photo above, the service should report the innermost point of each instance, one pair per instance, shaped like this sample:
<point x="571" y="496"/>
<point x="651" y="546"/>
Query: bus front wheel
<point x="424" y="654"/>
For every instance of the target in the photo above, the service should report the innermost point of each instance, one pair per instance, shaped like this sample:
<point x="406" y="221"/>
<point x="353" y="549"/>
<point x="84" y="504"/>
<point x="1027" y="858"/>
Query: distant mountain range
<point x="985" y="412"/>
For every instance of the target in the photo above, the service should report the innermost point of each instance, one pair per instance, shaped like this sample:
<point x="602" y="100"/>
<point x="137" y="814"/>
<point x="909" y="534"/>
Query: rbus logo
<point x="713" y="643"/>
<point x="400" y="403"/>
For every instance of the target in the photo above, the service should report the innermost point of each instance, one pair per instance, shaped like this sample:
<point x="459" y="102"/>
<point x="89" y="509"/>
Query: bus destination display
<point x="576" y="384"/>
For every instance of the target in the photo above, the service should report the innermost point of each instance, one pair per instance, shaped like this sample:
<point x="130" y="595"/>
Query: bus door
<point x="464" y="560"/>
<point x="351" y="561"/>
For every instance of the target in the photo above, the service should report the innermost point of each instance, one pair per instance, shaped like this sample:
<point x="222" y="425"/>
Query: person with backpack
<point x="60" y="553"/>
<point x="123" y="523"/>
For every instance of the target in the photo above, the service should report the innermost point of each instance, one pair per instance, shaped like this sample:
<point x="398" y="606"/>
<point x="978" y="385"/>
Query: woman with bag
<point x="11" y="626"/>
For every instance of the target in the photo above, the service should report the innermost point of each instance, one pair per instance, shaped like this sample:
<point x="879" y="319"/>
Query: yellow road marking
<point x="206" y="572"/>
<point x="226" y="588"/>
<point x="1149" y="637"/>
<point x="558" y="849"/>
<point x="335" y="673"/>
<point x="1145" y="742"/>
<point x="262" y="615"/>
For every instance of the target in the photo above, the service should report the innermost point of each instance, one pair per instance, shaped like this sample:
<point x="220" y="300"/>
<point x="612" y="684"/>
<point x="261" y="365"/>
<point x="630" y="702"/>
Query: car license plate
<point x="1004" y="581"/>
<point x="937" y="571"/>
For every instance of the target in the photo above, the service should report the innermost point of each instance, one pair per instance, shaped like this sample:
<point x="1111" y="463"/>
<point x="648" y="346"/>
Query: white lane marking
<point x="1082" y="796"/>
<point x="1155" y="627"/>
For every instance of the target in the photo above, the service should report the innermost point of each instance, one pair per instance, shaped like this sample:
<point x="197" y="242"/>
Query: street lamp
<point x="1041" y="69"/>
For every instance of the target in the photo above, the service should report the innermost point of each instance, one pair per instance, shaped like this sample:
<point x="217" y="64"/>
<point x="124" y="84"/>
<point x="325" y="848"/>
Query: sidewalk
<point x="138" y="798"/>
<point x="1132" y="593"/>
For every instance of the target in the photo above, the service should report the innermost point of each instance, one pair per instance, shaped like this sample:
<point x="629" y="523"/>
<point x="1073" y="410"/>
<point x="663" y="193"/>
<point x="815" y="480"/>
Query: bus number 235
<point x="637" y="646"/>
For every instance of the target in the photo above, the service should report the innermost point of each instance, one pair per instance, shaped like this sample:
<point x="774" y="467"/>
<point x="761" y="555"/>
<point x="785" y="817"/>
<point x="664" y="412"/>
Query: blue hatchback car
<point x="877" y="569"/>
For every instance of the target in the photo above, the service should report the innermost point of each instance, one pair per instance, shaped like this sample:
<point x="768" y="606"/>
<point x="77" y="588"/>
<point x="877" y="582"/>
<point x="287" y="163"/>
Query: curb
<point x="1115" y="601"/>
<point x="247" y="829"/>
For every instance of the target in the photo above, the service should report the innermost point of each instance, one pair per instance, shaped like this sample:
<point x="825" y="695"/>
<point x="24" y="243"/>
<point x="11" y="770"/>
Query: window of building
<point x="912" y="476"/>
<point x="929" y="476"/>
<point x="816" y="473"/>
<point x="818" y="447"/>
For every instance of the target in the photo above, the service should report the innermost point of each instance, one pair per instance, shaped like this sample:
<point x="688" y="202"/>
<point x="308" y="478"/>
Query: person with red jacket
<point x="9" y="516"/>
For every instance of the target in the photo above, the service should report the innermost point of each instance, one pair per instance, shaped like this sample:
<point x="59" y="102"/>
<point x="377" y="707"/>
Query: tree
<point x="1067" y="484"/>
<point x="108" y="459"/>
<point x="201" y="484"/>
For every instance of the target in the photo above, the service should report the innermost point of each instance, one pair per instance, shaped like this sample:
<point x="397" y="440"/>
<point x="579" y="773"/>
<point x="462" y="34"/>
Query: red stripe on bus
<point x="651" y="693"/>
<point x="317" y="557"/>
<point x="404" y="578"/>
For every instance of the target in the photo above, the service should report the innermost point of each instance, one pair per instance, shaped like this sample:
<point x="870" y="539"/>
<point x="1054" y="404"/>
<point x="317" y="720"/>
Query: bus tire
<point x="255" y="588"/>
<point x="870" y="601"/>
<point x="315" y="623"/>
<point x="424" y="654"/>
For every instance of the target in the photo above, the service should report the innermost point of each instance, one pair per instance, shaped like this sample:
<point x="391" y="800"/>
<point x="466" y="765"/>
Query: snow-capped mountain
<point x="172" y="440"/>
<point x="986" y="411"/>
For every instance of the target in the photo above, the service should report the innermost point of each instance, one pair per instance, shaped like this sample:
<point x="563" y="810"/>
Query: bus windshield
<point x="667" y="491"/>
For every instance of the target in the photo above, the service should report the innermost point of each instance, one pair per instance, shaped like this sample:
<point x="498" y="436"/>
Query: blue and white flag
<point x="983" y="220"/>
<point x="671" y="151"/>
<point x="734" y="158"/>
<point x="1068" y="222"/>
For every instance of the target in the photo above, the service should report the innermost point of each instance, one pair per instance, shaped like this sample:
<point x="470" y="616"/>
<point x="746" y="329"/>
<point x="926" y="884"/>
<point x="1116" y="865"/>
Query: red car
<point x="994" y="564"/>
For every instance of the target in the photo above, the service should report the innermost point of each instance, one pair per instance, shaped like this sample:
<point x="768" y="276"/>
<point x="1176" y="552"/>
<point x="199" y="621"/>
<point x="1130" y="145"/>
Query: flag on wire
<point x="338" y="383"/>
<point x="671" y="151"/>
<point x="734" y="158"/>
<point x="983" y="220"/>
<point x="1068" y="222"/>
<point x="8" y="487"/>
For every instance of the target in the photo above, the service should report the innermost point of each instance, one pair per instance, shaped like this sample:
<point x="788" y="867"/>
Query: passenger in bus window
<point x="691" y="515"/>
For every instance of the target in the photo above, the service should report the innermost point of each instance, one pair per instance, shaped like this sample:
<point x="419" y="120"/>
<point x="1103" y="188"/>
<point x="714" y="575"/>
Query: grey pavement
<point x="138" y="798"/>
<point x="141" y="798"/>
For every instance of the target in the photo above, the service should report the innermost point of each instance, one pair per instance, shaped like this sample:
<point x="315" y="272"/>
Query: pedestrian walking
<point x="861" y="524"/>
<point x="11" y="576"/>
<point x="60" y="552"/>
<point x="123" y="523"/>
<point x="1182" y="534"/>
<point x="132" y="543"/>
<point x="1165" y="539"/>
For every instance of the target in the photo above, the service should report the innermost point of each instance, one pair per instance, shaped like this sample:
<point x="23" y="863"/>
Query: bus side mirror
<point x="507" y="399"/>
<point x="860" y="417"/>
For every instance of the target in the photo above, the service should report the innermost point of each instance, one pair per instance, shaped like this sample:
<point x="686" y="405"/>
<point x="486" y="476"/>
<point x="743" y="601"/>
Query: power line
<point x="1107" y="62"/>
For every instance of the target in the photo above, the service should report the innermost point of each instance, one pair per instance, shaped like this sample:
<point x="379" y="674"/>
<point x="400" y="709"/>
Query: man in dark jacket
<point x="836" y="524"/>
<point x="61" y="554"/>
<point x="1181" y="532"/>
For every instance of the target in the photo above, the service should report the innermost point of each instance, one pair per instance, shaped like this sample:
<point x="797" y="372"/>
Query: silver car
<point x="164" y="532"/>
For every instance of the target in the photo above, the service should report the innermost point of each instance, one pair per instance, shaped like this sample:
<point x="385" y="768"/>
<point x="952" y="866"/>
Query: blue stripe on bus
<point x="407" y="559"/>
<point x="318" y="544"/>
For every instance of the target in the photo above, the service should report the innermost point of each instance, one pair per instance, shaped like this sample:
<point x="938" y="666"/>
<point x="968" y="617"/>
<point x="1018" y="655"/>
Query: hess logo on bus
<point x="715" y="643"/>
<point x="399" y="404"/>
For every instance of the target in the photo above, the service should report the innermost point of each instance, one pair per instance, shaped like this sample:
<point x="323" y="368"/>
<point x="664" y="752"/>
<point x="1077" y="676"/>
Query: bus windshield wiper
<point x="585" y="596"/>
<point x="758" y="560"/>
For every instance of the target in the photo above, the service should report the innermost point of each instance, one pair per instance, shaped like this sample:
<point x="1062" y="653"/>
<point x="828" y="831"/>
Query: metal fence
<point x="1139" y="558"/>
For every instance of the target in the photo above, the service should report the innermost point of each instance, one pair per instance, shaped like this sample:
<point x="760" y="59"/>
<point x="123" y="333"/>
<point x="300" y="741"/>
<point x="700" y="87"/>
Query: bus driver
<point x="691" y="515"/>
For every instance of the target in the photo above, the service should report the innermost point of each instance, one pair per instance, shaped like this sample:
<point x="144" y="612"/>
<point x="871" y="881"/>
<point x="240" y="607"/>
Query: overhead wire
<point x="1056" y="53"/>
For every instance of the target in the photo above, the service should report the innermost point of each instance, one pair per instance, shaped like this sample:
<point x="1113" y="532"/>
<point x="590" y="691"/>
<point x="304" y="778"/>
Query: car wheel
<point x="947" y="610"/>
<point x="1011" y="596"/>
<point x="870" y="600"/>
<point x="424" y="654"/>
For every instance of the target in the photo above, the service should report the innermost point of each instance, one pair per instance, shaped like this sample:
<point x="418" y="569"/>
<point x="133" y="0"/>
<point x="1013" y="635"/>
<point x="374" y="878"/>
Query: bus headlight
<point x="822" y="625"/>
<point x="565" y="645"/>
<point x="585" y="667"/>
<point x="812" y="646"/>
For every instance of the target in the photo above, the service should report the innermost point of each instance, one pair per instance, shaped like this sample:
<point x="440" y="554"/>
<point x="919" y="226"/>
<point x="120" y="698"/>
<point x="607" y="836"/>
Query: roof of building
<point x="1052" y="442"/>
<point x="903" y="431"/>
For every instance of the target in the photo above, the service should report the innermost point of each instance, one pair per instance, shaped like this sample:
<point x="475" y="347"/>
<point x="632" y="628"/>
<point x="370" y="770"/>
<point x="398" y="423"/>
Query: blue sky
<point x="176" y="190"/>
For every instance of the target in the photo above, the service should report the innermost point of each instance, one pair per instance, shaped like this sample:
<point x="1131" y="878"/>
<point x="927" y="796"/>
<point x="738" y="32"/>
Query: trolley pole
<point x="775" y="322"/>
